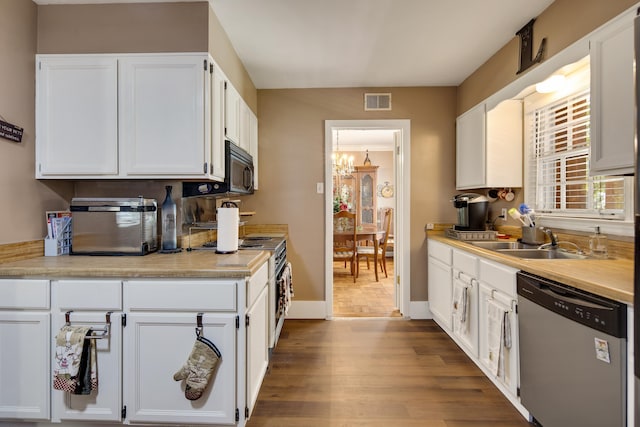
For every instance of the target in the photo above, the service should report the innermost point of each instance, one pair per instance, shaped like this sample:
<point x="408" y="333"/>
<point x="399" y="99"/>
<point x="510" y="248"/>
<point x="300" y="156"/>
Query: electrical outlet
<point x="504" y="213"/>
<point x="429" y="226"/>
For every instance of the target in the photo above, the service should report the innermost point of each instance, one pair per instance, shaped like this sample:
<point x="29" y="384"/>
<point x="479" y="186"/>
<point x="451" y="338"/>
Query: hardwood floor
<point x="375" y="373"/>
<point x="365" y="297"/>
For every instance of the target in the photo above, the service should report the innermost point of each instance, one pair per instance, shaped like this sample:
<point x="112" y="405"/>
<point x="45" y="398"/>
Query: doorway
<point x="394" y="146"/>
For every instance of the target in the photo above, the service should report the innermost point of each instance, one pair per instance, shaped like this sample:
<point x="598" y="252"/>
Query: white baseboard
<point x="318" y="310"/>
<point x="307" y="310"/>
<point x="419" y="310"/>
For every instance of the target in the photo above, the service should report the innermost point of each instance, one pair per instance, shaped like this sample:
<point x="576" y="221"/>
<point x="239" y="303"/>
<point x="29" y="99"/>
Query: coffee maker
<point x="472" y="211"/>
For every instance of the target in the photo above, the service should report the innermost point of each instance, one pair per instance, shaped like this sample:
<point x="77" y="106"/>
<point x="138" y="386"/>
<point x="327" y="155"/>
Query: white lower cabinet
<point x="153" y="325"/>
<point x="490" y="356"/>
<point x="485" y="282"/>
<point x="24" y="340"/>
<point x="440" y="283"/>
<point x="94" y="303"/>
<point x="157" y="344"/>
<point x="464" y="301"/>
<point x="162" y="317"/>
<point x="257" y="347"/>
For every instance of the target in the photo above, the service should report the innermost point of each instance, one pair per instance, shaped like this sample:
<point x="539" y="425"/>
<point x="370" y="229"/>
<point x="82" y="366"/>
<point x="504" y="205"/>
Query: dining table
<point x="364" y="233"/>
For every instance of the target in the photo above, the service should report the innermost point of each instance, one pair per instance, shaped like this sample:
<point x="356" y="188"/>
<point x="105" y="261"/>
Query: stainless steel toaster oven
<point x="114" y="226"/>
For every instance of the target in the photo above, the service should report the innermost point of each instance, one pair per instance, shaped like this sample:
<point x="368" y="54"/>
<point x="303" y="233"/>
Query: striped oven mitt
<point x="70" y="342"/>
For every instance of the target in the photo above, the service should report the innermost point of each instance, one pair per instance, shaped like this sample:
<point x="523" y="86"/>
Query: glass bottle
<point x="598" y="244"/>
<point x="169" y="234"/>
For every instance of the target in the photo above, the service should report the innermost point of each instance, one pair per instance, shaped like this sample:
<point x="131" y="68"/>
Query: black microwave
<point x="238" y="176"/>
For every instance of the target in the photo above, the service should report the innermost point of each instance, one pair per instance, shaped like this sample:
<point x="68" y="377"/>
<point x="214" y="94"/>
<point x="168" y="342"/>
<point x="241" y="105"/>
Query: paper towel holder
<point x="228" y="233"/>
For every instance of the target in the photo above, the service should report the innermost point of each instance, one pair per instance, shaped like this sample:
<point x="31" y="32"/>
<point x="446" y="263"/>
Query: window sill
<point x="587" y="225"/>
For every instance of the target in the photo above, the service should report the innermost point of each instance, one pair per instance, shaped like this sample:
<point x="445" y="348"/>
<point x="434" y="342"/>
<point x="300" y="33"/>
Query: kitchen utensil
<point x="513" y="213"/>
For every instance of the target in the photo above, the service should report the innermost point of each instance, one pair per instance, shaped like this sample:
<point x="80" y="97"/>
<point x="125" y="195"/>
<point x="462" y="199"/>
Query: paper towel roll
<point x="227" y="230"/>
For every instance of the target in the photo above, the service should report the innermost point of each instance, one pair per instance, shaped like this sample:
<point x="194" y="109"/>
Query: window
<point x="558" y="181"/>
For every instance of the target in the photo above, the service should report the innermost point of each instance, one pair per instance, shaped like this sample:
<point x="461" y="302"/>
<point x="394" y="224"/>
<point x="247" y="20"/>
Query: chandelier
<point x="342" y="163"/>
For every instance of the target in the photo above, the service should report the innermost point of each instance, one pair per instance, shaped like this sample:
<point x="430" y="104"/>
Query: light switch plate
<point x="320" y="187"/>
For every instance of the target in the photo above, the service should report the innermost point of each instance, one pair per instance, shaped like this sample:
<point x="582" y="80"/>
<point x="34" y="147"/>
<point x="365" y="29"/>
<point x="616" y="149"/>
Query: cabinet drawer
<point x="256" y="283"/>
<point x="180" y="295"/>
<point x="24" y="294"/>
<point x="88" y="294"/>
<point x="440" y="251"/>
<point x="499" y="277"/>
<point x="465" y="262"/>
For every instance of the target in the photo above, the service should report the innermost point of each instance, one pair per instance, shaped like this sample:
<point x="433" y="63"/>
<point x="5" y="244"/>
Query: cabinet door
<point x="470" y="149"/>
<point x="162" y="115"/>
<point x="612" y="100"/>
<point x="510" y="377"/>
<point x="504" y="145"/>
<point x="76" y="116"/>
<point x="253" y="146"/>
<point x="257" y="346"/>
<point x="105" y="404"/>
<point x="465" y="333"/>
<point x="232" y="101"/>
<point x="439" y="277"/>
<point x="216" y="161"/>
<point x="25" y="376"/>
<point x="156" y="345"/>
<point x="245" y="126"/>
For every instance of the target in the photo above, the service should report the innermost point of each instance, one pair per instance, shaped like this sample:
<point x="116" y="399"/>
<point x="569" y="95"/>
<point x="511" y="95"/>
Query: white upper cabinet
<point x="162" y="115"/>
<point x="249" y="137"/>
<point x="76" y="116"/>
<point x="612" y="98"/>
<point x="216" y="122"/>
<point x="232" y="103"/>
<point x="489" y="146"/>
<point x="470" y="143"/>
<point x="122" y="116"/>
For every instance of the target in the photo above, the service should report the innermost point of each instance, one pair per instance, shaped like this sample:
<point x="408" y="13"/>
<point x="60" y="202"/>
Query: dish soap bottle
<point x="598" y="244"/>
<point x="169" y="236"/>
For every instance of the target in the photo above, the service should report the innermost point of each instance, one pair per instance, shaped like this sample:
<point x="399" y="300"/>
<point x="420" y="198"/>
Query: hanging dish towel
<point x="286" y="289"/>
<point x="70" y="343"/>
<point x="498" y="336"/>
<point x="460" y="307"/>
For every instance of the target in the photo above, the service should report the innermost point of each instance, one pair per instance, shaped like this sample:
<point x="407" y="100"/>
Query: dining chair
<point x="344" y="240"/>
<point x="368" y="251"/>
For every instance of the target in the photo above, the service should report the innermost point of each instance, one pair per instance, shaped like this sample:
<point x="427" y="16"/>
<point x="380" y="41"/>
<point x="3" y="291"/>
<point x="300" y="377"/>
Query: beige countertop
<point x="186" y="264"/>
<point x="611" y="278"/>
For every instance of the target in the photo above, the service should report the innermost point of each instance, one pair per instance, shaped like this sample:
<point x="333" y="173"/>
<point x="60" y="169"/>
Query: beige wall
<point x="123" y="28"/>
<point x="291" y="135"/>
<point x="142" y="27"/>
<point x="562" y="23"/>
<point x="24" y="199"/>
<point x="225" y="55"/>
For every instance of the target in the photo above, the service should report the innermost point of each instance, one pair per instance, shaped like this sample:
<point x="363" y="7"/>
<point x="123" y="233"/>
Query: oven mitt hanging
<point x="199" y="368"/>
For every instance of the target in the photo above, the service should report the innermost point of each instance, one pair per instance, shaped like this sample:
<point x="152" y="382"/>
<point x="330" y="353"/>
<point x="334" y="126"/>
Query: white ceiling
<point x="369" y="43"/>
<point x="364" y="43"/>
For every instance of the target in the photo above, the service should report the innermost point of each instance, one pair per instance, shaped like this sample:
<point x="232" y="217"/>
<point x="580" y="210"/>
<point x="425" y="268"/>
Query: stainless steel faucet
<point x="552" y="237"/>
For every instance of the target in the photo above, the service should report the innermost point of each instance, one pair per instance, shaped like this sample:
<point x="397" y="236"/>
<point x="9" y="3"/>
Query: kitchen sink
<point x="541" y="254"/>
<point x="493" y="245"/>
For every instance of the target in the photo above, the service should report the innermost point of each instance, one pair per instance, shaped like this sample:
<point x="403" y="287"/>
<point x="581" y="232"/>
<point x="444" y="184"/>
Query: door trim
<point x="402" y="160"/>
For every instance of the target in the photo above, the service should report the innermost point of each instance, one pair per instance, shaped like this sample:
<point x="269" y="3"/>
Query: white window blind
<point x="559" y="158"/>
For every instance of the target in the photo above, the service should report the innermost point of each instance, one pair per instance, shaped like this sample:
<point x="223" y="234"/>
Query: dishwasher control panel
<point x="591" y="310"/>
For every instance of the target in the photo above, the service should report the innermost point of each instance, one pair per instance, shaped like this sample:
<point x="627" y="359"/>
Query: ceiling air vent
<point x="377" y="102"/>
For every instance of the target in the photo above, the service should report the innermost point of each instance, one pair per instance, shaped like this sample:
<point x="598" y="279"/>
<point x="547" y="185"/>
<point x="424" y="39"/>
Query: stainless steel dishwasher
<point x="572" y="355"/>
